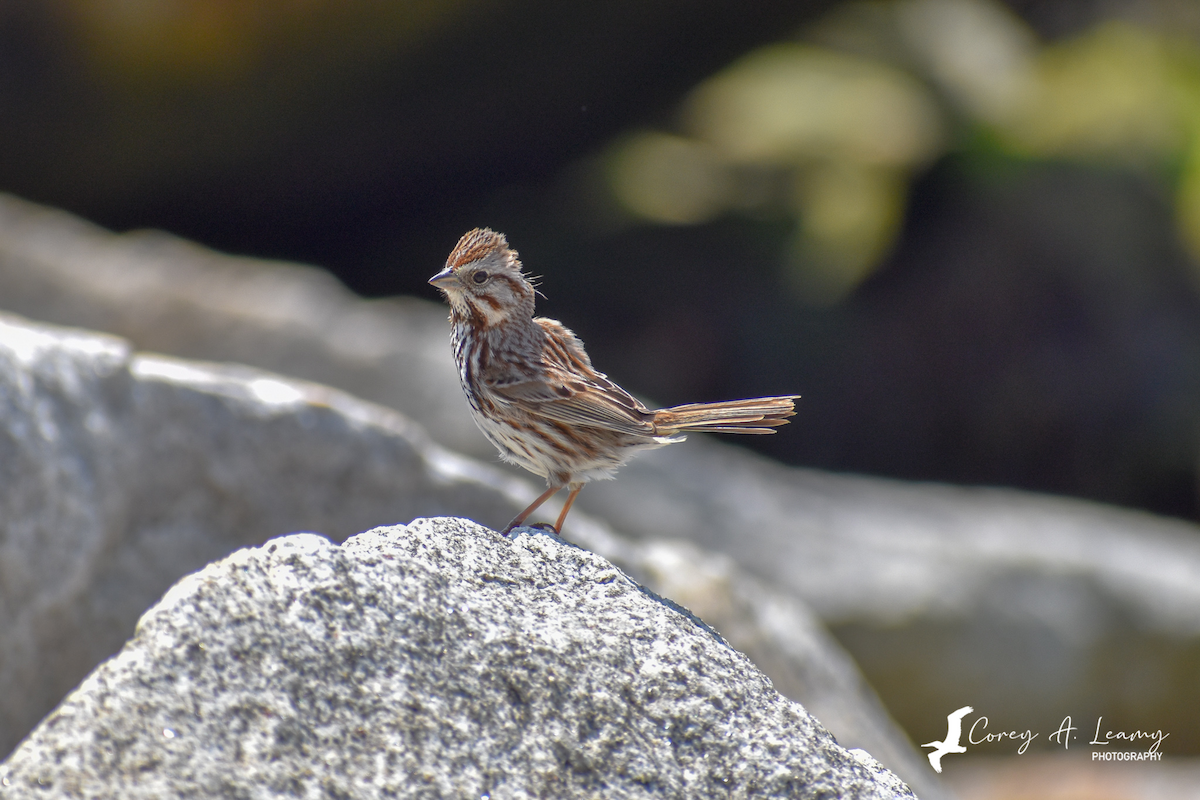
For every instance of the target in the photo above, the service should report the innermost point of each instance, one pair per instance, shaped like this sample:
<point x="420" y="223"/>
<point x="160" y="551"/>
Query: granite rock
<point x="945" y="595"/>
<point x="1028" y="607"/>
<point x="119" y="473"/>
<point x="433" y="660"/>
<point x="125" y="471"/>
<point x="168" y="295"/>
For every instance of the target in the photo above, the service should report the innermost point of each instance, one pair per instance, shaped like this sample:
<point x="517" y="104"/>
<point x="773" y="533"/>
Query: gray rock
<point x="1029" y="608"/>
<point x="120" y="473"/>
<point x="124" y="472"/>
<point x="946" y="596"/>
<point x="168" y="295"/>
<point x="433" y="660"/>
<point x="783" y="638"/>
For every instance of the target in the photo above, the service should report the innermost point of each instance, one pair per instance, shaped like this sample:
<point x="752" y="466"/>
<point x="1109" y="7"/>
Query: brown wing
<point x="568" y="389"/>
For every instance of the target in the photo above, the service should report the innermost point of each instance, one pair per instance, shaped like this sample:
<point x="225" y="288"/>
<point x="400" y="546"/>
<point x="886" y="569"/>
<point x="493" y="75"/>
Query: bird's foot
<point x="540" y="526"/>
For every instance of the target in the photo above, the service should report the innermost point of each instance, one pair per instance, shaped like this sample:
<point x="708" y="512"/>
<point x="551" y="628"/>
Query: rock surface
<point x="124" y="472"/>
<point x="120" y="473"/>
<point x="433" y="660"/>
<point x="1003" y="599"/>
<point x="1042" y="607"/>
<point x="1029" y="608"/>
<point x="167" y="295"/>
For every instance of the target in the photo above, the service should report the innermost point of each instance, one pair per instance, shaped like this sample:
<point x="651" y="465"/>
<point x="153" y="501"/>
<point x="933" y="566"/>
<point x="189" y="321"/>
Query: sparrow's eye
<point x="480" y="277"/>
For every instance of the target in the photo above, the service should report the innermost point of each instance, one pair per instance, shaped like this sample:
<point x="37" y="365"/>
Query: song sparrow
<point x="533" y="391"/>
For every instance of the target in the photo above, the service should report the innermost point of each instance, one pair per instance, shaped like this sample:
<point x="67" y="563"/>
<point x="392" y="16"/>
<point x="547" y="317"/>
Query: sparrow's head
<point x="483" y="281"/>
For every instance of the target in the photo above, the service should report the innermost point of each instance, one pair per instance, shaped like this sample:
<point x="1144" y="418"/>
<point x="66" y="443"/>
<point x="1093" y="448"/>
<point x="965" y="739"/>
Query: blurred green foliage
<point x="836" y="124"/>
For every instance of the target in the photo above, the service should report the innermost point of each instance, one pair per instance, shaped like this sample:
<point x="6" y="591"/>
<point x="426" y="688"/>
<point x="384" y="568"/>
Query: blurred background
<point x="966" y="231"/>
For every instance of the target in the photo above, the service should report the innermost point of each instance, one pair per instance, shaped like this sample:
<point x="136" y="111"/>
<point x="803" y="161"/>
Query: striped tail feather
<point x="756" y="415"/>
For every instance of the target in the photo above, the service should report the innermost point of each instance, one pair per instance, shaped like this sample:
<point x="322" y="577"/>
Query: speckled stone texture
<point x="122" y="472"/>
<point x="1039" y="605"/>
<point x="433" y="660"/>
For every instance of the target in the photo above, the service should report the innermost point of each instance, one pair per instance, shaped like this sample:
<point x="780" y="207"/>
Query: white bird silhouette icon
<point x="950" y="743"/>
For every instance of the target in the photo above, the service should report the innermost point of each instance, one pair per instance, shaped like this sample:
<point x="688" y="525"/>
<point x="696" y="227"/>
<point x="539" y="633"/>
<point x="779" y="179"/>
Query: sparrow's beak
<point x="444" y="279"/>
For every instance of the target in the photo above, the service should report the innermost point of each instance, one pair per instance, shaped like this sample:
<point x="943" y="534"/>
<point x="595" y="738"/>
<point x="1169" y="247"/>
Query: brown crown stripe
<point x="475" y="245"/>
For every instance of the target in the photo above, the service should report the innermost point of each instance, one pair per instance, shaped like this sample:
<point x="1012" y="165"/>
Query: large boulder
<point x="123" y="472"/>
<point x="434" y="660"/>
<point x="1040" y="606"/>
<point x="120" y="473"/>
<point x="168" y="295"/>
<point x="1027" y="607"/>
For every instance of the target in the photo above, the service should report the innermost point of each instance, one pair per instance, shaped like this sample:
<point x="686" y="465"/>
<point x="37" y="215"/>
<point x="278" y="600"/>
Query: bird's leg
<point x="562" y="515"/>
<point x="543" y="497"/>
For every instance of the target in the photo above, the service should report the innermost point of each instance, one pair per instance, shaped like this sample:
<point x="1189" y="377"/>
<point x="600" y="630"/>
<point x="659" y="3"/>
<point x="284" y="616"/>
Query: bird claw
<point x="546" y="527"/>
